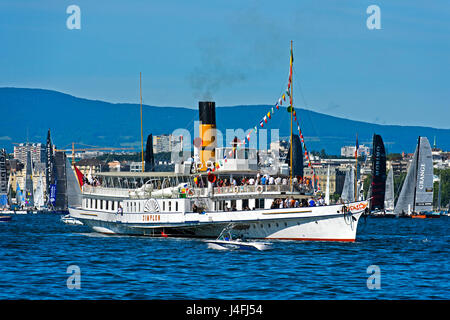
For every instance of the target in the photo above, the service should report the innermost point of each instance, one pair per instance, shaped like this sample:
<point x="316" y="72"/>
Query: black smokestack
<point x="149" y="158"/>
<point x="207" y="112"/>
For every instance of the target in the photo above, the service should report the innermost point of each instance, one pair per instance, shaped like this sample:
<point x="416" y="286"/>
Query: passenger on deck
<point x="304" y="203"/>
<point x="278" y="181"/>
<point x="274" y="204"/>
<point x="263" y="180"/>
<point x="321" y="201"/>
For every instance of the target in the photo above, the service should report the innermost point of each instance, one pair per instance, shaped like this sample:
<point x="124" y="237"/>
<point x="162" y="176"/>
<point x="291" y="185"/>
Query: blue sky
<point x="237" y="52"/>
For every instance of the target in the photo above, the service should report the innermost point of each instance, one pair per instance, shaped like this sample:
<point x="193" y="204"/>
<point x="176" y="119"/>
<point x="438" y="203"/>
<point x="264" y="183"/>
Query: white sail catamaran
<point x="416" y="196"/>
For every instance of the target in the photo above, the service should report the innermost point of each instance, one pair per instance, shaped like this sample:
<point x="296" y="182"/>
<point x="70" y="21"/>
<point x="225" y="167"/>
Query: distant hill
<point x="27" y="114"/>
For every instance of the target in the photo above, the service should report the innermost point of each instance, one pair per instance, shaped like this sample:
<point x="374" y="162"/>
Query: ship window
<point x="170" y="205"/>
<point x="176" y="205"/>
<point x="164" y="206"/>
<point x="245" y="204"/>
<point x="259" y="203"/>
<point x="107" y="205"/>
<point x="101" y="204"/>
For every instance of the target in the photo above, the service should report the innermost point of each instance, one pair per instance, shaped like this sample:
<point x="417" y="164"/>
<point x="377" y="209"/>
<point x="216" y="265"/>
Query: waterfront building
<point x="398" y="166"/>
<point x="349" y="151"/>
<point x="37" y="151"/>
<point x="167" y="143"/>
<point x="136" y="166"/>
<point x="321" y="177"/>
<point x="91" y="165"/>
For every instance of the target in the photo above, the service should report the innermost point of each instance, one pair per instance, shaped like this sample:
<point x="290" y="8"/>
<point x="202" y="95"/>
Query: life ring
<point x="236" y="189"/>
<point x="190" y="192"/>
<point x="259" y="188"/>
<point x="199" y="165"/>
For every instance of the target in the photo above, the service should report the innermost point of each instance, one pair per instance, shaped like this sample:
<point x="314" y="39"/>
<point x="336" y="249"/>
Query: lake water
<point x="411" y="255"/>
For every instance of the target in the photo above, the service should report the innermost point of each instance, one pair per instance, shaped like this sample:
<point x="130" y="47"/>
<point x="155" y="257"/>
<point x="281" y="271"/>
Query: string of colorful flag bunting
<point x="265" y="120"/>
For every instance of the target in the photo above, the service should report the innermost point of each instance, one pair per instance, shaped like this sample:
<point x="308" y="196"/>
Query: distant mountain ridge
<point x="29" y="113"/>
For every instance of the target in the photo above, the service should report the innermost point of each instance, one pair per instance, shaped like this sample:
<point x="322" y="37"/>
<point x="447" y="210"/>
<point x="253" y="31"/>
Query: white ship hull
<point x="324" y="223"/>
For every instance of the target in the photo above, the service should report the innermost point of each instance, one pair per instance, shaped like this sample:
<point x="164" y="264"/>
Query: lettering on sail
<point x="422" y="176"/>
<point x="377" y="161"/>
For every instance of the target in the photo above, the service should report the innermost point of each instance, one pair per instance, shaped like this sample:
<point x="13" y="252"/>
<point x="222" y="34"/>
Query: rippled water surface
<point x="36" y="250"/>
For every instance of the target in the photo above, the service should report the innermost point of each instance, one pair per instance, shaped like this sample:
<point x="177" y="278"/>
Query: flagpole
<point x="292" y="111"/>
<point x="142" y="132"/>
<point x="356" y="168"/>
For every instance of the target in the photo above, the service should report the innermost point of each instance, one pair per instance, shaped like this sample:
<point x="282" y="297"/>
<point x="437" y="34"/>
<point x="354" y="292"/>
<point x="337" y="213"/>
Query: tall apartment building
<point x="349" y="151"/>
<point x="167" y="143"/>
<point x="37" y="151"/>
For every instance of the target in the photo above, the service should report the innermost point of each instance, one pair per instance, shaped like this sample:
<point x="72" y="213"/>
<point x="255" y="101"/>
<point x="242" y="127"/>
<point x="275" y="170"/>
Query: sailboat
<point x="380" y="187"/>
<point x="389" y="194"/>
<point x="4" y="188"/>
<point x="29" y="198"/>
<point x="73" y="193"/>
<point x="20" y="199"/>
<point x="39" y="200"/>
<point x="348" y="191"/>
<point x="3" y="181"/>
<point x="388" y="211"/>
<point x="416" y="195"/>
<point x="439" y="211"/>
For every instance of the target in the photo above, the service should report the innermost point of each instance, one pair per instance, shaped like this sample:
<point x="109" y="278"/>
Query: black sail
<point x="61" y="180"/>
<point x="3" y="179"/>
<point x="297" y="156"/>
<point x="378" y="173"/>
<point x="149" y="158"/>
<point x="49" y="176"/>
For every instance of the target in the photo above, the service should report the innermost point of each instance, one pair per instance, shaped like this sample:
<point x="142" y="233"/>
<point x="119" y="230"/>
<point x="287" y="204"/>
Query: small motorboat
<point x="67" y="219"/>
<point x="226" y="241"/>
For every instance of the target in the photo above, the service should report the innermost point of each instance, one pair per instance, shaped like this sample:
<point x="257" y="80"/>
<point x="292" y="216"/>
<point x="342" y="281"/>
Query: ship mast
<point x="356" y="168"/>
<point x="415" y="179"/>
<point x="142" y="133"/>
<point x="292" y="111"/>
